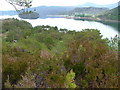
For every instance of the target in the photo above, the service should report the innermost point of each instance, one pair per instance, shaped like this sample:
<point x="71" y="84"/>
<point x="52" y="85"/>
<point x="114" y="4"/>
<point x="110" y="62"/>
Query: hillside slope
<point x="113" y="14"/>
<point x="44" y="10"/>
<point x="89" y="10"/>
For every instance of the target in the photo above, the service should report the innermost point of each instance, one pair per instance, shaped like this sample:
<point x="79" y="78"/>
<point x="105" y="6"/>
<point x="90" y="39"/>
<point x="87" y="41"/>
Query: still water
<point x="71" y="24"/>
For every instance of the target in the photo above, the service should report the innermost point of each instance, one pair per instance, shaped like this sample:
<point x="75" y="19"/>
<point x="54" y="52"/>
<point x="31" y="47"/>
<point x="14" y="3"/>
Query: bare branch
<point x="21" y="3"/>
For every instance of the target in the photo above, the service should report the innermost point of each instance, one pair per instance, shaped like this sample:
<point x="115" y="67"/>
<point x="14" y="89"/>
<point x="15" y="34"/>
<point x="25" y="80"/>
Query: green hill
<point x="89" y="10"/>
<point x="112" y="14"/>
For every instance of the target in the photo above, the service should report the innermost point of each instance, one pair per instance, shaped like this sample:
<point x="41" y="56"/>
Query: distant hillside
<point x="44" y="10"/>
<point x="113" y="14"/>
<point x="89" y="10"/>
<point x="88" y="4"/>
<point x="53" y="10"/>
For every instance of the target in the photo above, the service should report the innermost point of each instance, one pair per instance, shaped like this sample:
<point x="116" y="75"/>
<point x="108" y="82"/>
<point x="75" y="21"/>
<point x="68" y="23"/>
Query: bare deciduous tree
<point x="21" y="3"/>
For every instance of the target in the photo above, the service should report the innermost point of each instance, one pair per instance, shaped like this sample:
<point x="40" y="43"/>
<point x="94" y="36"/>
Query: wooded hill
<point x="113" y="14"/>
<point x="89" y="10"/>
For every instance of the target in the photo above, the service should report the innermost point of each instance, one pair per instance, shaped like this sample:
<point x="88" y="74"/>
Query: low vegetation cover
<point x="48" y="57"/>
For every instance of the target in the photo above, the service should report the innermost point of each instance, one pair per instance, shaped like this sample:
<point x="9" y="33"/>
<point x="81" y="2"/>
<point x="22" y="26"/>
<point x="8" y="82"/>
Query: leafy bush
<point x="70" y="80"/>
<point x="66" y="59"/>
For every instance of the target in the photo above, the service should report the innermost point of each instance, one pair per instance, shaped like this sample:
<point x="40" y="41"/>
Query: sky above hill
<point x="6" y="6"/>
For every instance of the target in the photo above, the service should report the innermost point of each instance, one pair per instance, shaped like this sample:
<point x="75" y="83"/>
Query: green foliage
<point x="27" y="12"/>
<point x="70" y="80"/>
<point x="30" y="45"/>
<point x="14" y="24"/>
<point x="67" y="59"/>
<point x="84" y="83"/>
<point x="56" y="80"/>
<point x="83" y="15"/>
<point x="80" y="15"/>
<point x="111" y="14"/>
<point x="13" y="69"/>
<point x="79" y="68"/>
<point x="59" y="48"/>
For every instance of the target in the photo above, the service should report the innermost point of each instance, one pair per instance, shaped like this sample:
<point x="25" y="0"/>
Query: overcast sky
<point x="6" y="6"/>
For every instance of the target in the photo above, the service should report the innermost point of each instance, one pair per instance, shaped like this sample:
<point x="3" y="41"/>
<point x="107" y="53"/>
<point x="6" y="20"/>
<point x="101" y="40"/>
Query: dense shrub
<point x="48" y="57"/>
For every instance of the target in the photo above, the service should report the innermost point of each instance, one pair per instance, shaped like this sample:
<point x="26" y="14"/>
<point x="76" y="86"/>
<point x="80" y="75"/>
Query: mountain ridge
<point x="89" y="4"/>
<point x="50" y="10"/>
<point x="113" y="14"/>
<point x="89" y="10"/>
